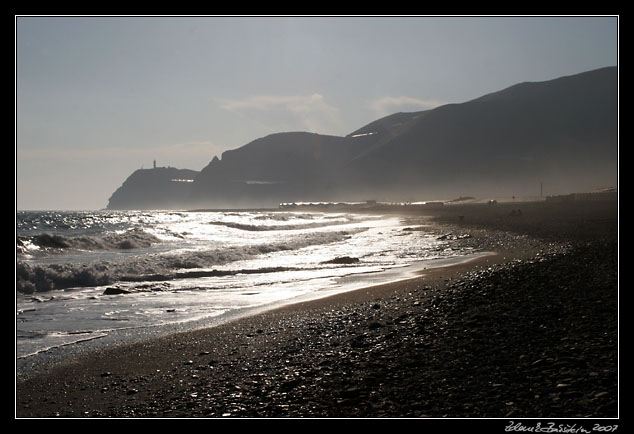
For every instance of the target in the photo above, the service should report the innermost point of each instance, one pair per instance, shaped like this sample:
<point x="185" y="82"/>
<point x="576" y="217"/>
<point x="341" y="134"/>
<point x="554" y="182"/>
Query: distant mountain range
<point x="562" y="134"/>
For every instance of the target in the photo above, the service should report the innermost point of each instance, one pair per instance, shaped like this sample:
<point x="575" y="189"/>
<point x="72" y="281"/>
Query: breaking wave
<point x="49" y="243"/>
<point x="285" y="227"/>
<point x="32" y="278"/>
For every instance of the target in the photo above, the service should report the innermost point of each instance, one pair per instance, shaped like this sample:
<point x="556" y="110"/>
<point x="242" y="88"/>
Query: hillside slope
<point x="562" y="134"/>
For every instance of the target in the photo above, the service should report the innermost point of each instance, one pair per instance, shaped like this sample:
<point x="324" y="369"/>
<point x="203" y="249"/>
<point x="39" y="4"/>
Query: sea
<point x="85" y="276"/>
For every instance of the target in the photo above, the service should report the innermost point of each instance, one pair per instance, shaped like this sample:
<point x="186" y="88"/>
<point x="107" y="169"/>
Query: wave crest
<point x="32" y="278"/>
<point x="286" y="227"/>
<point x="49" y="243"/>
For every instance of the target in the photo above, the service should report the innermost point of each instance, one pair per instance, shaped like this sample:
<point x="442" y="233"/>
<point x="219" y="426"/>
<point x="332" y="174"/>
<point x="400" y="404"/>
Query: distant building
<point x="596" y="196"/>
<point x="154" y="166"/>
<point x="604" y="195"/>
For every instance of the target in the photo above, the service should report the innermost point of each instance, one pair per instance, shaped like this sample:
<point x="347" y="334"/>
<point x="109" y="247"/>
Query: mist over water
<point x="82" y="275"/>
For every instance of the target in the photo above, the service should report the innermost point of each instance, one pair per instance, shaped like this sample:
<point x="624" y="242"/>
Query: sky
<point x="98" y="97"/>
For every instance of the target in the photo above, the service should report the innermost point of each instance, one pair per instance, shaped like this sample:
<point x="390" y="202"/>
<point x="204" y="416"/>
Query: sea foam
<point x="46" y="243"/>
<point x="32" y="278"/>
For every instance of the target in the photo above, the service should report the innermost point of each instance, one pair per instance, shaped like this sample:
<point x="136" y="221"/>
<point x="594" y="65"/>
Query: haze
<point x="99" y="97"/>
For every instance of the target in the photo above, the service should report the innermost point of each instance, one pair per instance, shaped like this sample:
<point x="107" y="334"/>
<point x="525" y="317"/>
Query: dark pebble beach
<point x="528" y="332"/>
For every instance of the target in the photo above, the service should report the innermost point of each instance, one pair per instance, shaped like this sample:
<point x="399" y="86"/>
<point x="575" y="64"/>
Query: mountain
<point x="562" y="134"/>
<point x="280" y="167"/>
<point x="156" y="188"/>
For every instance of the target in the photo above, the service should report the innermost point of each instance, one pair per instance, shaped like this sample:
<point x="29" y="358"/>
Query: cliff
<point x="157" y="188"/>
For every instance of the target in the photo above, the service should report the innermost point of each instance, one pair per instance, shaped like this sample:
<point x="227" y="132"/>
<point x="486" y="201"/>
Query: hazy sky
<point x="99" y="97"/>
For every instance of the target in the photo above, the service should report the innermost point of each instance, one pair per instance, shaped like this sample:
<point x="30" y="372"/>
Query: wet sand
<point x="531" y="331"/>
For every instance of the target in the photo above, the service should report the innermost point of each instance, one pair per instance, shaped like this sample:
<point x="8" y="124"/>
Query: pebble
<point x="495" y="342"/>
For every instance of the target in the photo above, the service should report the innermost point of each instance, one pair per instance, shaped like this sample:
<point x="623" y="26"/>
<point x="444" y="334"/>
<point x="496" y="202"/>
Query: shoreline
<point x="331" y="357"/>
<point x="29" y="365"/>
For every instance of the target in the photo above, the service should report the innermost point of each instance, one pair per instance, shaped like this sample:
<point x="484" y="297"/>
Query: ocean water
<point x="81" y="276"/>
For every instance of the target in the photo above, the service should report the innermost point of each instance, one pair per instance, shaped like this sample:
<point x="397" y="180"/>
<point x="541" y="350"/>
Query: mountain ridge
<point x="562" y="132"/>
